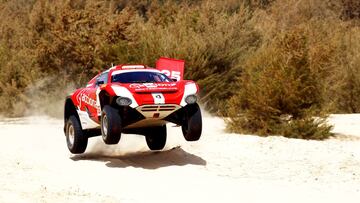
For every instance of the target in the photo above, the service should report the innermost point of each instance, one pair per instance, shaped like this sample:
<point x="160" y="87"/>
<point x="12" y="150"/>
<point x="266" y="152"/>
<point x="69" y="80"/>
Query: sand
<point x="36" y="166"/>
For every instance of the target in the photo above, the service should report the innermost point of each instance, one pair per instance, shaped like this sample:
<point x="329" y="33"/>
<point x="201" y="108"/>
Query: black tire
<point x="156" y="138"/>
<point x="75" y="138"/>
<point x="110" y="125"/>
<point x="192" y="125"/>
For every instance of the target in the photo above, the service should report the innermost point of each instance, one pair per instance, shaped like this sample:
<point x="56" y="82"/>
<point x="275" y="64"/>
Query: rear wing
<point x="173" y="68"/>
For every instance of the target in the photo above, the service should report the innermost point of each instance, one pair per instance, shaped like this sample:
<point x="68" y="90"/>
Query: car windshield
<point x="140" y="77"/>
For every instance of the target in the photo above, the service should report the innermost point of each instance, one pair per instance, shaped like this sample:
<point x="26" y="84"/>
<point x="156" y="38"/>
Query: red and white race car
<point x="133" y="99"/>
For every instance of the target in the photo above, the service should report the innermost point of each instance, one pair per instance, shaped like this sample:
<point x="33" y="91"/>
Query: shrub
<point x="212" y="42"/>
<point x="307" y="128"/>
<point x="343" y="91"/>
<point x="279" y="92"/>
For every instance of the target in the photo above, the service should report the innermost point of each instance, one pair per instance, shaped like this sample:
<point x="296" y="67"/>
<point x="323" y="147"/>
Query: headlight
<point x="191" y="99"/>
<point x="123" y="101"/>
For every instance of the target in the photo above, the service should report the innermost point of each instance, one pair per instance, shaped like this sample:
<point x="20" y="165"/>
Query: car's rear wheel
<point x="156" y="137"/>
<point x="75" y="138"/>
<point x="192" y="125"/>
<point x="110" y="125"/>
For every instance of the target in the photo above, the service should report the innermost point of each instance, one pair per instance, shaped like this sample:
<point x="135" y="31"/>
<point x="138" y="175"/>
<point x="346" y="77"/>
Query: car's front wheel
<point x="156" y="137"/>
<point x="110" y="125"/>
<point x="75" y="138"/>
<point x="192" y="125"/>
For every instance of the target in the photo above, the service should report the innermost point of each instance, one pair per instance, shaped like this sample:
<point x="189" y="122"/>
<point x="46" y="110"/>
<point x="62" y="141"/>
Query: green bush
<point x="307" y="128"/>
<point x="278" y="91"/>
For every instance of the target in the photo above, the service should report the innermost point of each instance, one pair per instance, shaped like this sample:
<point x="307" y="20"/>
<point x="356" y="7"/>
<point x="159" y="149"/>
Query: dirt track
<point x="37" y="167"/>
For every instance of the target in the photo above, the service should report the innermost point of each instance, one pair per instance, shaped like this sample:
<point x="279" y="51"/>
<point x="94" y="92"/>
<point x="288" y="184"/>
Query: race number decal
<point x="158" y="98"/>
<point x="172" y="74"/>
<point x="172" y="68"/>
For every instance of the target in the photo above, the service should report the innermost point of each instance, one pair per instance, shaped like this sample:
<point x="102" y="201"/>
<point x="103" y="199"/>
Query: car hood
<point x="155" y="93"/>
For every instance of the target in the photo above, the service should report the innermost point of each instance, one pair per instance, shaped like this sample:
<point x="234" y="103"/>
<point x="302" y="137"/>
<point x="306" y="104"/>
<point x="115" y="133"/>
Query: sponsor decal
<point x="83" y="98"/>
<point x="151" y="85"/>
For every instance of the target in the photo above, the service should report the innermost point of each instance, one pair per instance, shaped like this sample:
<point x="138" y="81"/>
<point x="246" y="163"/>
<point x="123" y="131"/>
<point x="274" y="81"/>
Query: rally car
<point x="133" y="99"/>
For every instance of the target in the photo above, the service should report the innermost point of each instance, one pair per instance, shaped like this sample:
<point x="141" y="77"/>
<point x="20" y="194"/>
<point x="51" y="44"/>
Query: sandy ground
<point x="35" y="166"/>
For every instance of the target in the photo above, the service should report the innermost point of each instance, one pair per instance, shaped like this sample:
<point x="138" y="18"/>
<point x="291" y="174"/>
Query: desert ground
<point x="36" y="166"/>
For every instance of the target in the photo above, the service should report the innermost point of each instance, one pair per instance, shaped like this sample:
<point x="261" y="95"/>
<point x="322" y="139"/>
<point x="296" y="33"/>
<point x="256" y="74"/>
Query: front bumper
<point x="153" y="115"/>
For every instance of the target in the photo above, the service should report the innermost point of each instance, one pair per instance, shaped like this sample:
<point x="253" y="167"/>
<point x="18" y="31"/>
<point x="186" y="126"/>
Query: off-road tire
<point x="192" y="125"/>
<point x="110" y="125"/>
<point x="75" y="138"/>
<point x="156" y="137"/>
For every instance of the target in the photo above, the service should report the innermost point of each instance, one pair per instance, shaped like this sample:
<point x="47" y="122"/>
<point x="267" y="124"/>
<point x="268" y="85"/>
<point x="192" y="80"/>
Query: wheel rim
<point x="105" y="125"/>
<point x="71" y="134"/>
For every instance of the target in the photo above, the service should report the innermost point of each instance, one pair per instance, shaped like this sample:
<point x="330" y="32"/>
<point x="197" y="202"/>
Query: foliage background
<point x="270" y="66"/>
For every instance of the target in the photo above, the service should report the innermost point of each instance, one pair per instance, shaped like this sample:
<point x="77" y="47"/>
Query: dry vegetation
<point x="271" y="66"/>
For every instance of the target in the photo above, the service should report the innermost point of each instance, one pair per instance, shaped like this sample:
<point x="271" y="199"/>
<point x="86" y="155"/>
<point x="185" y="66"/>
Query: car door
<point x="92" y="105"/>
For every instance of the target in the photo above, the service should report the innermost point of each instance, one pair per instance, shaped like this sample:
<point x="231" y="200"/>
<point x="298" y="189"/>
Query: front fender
<point x="69" y="109"/>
